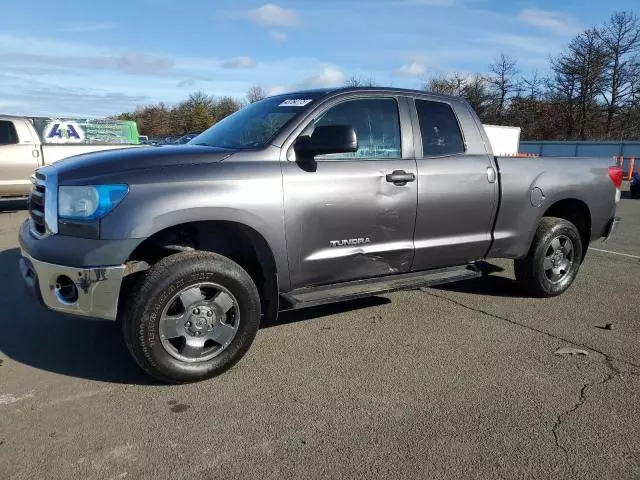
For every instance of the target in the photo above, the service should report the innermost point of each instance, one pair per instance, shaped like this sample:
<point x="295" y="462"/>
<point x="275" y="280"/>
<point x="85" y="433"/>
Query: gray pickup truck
<point x="298" y="200"/>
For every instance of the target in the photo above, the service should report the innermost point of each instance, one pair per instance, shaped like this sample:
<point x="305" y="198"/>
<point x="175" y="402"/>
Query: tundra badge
<point x="351" y="241"/>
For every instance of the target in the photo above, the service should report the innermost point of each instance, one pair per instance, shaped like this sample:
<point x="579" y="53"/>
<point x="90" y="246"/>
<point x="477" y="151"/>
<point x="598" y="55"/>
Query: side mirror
<point x="327" y="139"/>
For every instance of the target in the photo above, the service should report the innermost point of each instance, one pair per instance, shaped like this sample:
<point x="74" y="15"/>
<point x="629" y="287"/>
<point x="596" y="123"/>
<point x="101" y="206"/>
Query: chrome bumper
<point x="88" y="292"/>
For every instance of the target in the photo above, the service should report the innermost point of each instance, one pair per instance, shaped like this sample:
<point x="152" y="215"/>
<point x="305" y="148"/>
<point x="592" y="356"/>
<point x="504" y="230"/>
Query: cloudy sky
<point x="98" y="58"/>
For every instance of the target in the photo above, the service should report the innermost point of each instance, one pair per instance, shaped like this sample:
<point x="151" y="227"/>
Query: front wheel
<point x="553" y="260"/>
<point x="192" y="316"/>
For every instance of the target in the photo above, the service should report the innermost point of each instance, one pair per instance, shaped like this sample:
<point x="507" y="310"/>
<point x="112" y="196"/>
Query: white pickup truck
<point x="27" y="144"/>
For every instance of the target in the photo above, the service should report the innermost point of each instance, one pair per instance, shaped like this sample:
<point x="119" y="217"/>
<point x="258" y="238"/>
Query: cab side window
<point x="439" y="128"/>
<point x="377" y="125"/>
<point x="8" y="135"/>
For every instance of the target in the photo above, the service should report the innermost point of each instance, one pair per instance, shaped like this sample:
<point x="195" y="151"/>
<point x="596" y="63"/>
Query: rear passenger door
<point x="457" y="188"/>
<point x="19" y="157"/>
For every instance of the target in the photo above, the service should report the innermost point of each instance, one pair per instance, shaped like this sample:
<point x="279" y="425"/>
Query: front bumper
<point x="67" y="274"/>
<point x="88" y="292"/>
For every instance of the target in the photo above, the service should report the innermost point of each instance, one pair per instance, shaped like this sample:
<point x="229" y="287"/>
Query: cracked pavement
<point x="613" y="372"/>
<point x="459" y="381"/>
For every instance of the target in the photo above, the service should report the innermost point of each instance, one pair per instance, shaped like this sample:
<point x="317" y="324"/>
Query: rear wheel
<point x="191" y="317"/>
<point x="553" y="260"/>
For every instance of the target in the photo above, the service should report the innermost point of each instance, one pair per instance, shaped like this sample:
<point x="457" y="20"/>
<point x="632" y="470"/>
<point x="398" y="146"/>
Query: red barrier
<point x="620" y="163"/>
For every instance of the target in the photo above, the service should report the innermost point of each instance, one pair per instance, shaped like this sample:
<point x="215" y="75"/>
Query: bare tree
<point x="256" y="93"/>
<point x="223" y="107"/>
<point x="620" y="39"/>
<point x="579" y="78"/>
<point x="357" y="81"/>
<point x="533" y="85"/>
<point x="476" y="92"/>
<point x="503" y="81"/>
<point x="448" y="85"/>
<point x="631" y="113"/>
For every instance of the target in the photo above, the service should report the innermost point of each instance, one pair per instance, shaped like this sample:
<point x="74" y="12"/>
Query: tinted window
<point x="8" y="135"/>
<point x="376" y="123"/>
<point x="440" y="130"/>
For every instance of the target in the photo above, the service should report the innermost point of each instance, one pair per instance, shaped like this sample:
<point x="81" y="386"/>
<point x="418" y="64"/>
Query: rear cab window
<point x="439" y="129"/>
<point x="8" y="134"/>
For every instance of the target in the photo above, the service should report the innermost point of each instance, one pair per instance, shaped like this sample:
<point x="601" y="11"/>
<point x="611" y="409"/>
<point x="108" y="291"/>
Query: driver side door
<point x="346" y="218"/>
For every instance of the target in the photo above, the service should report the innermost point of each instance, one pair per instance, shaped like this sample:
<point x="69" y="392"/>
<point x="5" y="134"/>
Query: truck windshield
<point x="254" y="125"/>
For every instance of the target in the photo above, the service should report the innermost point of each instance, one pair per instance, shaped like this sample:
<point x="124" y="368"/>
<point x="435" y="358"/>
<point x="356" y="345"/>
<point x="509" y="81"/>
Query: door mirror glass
<point x="327" y="139"/>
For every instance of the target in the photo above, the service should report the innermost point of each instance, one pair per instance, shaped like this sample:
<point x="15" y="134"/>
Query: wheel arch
<point x="575" y="211"/>
<point x="235" y="240"/>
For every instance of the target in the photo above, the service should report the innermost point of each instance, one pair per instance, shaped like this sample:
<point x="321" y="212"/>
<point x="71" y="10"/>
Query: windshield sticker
<point x="296" y="102"/>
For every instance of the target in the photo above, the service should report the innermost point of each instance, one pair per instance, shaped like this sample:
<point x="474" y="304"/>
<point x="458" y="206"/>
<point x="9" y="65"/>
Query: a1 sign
<point x="63" y="132"/>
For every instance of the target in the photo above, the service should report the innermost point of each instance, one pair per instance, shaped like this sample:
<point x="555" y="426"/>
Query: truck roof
<point x="390" y="90"/>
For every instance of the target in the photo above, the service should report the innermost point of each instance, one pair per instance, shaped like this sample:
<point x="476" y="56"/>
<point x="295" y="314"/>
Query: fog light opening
<point x="65" y="290"/>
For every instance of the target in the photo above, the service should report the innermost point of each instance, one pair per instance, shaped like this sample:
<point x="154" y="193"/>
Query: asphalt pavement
<point x="454" y="382"/>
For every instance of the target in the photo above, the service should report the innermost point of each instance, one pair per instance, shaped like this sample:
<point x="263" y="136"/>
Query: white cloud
<point x="77" y="27"/>
<point x="39" y="52"/>
<point x="557" y="22"/>
<point x="274" y="15"/>
<point x="239" y="62"/>
<point x="189" y="82"/>
<point x="128" y="62"/>
<point x="73" y="102"/>
<point x="413" y="69"/>
<point x="46" y="76"/>
<point x="330" y="76"/>
<point x="277" y="89"/>
<point x="278" y="36"/>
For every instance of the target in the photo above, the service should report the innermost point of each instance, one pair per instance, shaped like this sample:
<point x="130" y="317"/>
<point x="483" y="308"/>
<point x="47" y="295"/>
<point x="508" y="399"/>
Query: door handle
<point x="491" y="175"/>
<point x="400" y="177"/>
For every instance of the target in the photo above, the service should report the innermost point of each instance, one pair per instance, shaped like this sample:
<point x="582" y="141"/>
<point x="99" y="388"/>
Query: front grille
<point x="36" y="206"/>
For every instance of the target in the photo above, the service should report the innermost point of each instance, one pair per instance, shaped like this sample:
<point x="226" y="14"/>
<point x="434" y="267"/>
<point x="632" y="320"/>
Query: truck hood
<point x="106" y="162"/>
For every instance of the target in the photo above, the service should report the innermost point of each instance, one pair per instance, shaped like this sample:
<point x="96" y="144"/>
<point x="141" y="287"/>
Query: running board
<point x="339" y="292"/>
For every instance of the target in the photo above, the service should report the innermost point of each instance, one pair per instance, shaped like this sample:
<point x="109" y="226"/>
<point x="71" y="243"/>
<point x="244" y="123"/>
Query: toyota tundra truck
<point x="298" y="200"/>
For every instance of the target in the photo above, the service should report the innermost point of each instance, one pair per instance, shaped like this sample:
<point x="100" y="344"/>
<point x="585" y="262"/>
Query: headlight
<point x="89" y="202"/>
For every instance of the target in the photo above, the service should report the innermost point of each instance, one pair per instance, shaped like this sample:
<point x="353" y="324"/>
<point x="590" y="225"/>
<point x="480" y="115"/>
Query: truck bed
<point x="530" y="186"/>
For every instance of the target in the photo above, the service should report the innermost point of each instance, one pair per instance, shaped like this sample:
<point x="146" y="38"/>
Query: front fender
<point x="249" y="194"/>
